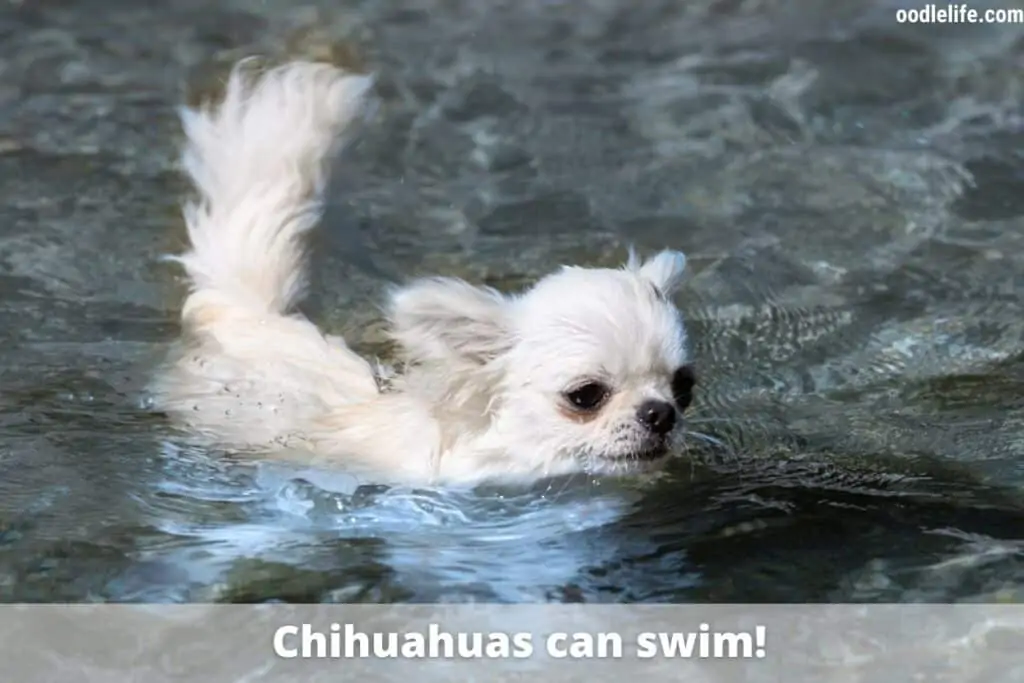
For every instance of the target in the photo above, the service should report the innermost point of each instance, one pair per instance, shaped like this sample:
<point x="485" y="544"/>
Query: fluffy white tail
<point x="252" y="373"/>
<point x="258" y="161"/>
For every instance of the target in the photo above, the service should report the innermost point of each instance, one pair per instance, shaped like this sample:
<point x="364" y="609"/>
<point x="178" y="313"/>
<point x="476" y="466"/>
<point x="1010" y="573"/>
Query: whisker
<point x="564" y="488"/>
<point x="707" y="438"/>
<point x="713" y="420"/>
<point x="714" y="441"/>
<point x="554" y="491"/>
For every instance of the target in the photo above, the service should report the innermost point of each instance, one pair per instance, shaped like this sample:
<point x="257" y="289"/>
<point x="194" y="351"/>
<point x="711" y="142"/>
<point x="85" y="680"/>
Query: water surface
<point x="849" y="192"/>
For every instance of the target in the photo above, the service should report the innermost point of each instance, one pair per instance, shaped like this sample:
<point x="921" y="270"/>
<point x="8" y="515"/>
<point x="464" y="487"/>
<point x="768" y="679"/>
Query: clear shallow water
<point x="848" y="191"/>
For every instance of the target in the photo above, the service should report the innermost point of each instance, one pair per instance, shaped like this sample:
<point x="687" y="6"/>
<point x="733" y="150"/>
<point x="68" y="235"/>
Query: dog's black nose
<point x="658" y="416"/>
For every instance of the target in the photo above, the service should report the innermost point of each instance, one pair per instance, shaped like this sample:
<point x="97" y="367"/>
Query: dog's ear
<point x="664" y="270"/>
<point x="446" y="319"/>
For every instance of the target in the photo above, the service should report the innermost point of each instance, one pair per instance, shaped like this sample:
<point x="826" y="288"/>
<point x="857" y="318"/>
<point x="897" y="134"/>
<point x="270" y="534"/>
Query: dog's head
<point x="586" y="371"/>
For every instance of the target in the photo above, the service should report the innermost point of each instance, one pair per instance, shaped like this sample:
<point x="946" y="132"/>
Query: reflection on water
<point x="847" y="190"/>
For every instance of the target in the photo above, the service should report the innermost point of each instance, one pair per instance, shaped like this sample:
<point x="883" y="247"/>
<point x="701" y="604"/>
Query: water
<point x="848" y="191"/>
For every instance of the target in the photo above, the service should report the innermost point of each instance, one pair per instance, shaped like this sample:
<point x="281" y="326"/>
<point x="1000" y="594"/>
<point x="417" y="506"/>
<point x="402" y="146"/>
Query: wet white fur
<point x="480" y="395"/>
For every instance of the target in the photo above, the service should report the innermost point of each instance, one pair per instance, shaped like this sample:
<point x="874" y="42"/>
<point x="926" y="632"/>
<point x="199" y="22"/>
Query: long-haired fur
<point x="491" y="383"/>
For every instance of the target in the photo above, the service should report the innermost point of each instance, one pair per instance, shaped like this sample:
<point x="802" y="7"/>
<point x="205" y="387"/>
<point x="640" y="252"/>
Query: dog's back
<point x="249" y="370"/>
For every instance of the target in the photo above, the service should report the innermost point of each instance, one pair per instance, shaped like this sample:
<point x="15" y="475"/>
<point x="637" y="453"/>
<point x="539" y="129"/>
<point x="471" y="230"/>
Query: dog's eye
<point x="589" y="396"/>
<point x="683" y="381"/>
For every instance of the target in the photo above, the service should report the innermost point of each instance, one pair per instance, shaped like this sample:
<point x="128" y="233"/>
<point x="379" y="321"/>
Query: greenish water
<point x="848" y="191"/>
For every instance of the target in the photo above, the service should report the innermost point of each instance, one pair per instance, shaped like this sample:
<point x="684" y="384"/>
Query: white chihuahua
<point x="587" y="371"/>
